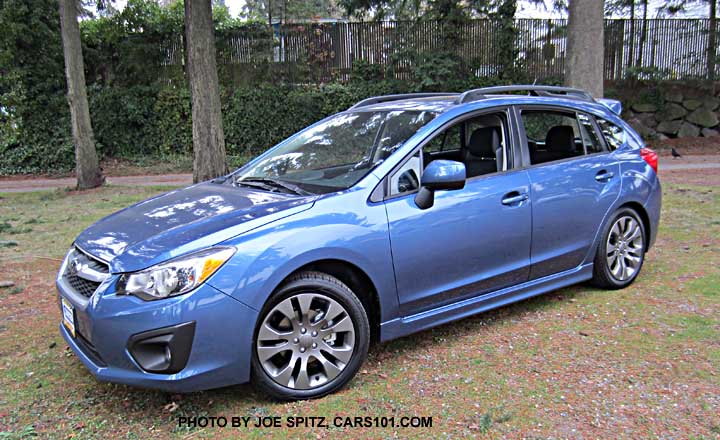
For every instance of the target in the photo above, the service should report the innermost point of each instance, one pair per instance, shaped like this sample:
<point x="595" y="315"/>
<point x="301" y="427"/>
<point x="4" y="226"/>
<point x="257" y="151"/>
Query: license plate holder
<point x="68" y="316"/>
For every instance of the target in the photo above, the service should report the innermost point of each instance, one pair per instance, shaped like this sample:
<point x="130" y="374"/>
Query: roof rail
<point x="553" y="91"/>
<point x="389" y="98"/>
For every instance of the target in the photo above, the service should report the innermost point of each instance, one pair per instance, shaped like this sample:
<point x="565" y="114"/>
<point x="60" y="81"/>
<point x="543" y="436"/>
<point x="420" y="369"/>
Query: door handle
<point x="604" y="176"/>
<point x="514" y="197"/>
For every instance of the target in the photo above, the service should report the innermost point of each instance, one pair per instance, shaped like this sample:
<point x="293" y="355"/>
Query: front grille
<point x="84" y="273"/>
<point x="82" y="286"/>
<point x="95" y="264"/>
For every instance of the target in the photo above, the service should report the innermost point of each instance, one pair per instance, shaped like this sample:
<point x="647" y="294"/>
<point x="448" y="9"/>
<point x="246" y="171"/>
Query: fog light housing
<point x="165" y="350"/>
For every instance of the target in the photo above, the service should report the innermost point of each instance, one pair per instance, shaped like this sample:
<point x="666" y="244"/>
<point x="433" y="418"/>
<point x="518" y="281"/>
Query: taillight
<point x="650" y="157"/>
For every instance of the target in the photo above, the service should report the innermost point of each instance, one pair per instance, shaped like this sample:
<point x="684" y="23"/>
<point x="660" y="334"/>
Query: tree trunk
<point x="87" y="168"/>
<point x="584" y="64"/>
<point x="712" y="40"/>
<point x="631" y="57"/>
<point x="208" y="137"/>
<point x="643" y="35"/>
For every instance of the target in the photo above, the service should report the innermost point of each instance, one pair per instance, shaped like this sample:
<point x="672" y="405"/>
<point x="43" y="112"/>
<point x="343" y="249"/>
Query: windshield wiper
<point x="262" y="186"/>
<point x="269" y="184"/>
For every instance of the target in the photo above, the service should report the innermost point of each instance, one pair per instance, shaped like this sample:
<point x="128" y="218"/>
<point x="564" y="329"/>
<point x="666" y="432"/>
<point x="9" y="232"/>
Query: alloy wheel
<point x="305" y="341"/>
<point x="625" y="248"/>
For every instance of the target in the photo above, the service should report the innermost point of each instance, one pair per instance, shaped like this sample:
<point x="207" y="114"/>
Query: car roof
<point x="435" y="103"/>
<point x="443" y="104"/>
<point x="492" y="96"/>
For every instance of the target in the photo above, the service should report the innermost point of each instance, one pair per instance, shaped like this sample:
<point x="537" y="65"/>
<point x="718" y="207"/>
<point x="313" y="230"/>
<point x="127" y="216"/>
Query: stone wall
<point x="675" y="114"/>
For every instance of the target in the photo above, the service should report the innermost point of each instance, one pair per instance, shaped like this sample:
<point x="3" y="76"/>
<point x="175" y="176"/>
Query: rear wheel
<point x="311" y="339"/>
<point x="621" y="253"/>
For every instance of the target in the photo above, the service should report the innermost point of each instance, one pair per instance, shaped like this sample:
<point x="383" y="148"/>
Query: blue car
<point x="402" y="213"/>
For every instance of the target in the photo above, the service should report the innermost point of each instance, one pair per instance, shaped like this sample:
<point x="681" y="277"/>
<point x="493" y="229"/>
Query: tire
<point x="311" y="338"/>
<point x="623" y="242"/>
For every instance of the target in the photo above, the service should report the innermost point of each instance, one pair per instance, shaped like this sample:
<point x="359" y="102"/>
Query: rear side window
<point x="552" y="135"/>
<point x="589" y="134"/>
<point x="614" y="136"/>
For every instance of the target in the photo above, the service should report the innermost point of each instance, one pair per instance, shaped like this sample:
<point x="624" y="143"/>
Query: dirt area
<point x="122" y="167"/>
<point x="15" y="184"/>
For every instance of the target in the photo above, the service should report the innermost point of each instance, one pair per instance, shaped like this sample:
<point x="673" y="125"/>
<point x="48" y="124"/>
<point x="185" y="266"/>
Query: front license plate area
<point x="68" y="318"/>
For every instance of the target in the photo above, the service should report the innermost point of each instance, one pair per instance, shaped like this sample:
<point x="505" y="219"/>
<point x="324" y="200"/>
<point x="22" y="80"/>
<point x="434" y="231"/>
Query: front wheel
<point x="311" y="338"/>
<point x="621" y="252"/>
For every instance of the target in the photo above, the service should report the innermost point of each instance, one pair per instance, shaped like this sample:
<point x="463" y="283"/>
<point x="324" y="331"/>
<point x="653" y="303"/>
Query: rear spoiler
<point x="614" y="105"/>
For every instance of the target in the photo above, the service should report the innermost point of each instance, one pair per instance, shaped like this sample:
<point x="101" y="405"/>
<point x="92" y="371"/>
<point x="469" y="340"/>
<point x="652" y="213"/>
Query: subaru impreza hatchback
<point x="402" y="213"/>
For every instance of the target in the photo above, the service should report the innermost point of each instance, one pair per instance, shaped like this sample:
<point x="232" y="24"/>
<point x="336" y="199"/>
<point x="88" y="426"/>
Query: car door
<point x="471" y="241"/>
<point x="574" y="181"/>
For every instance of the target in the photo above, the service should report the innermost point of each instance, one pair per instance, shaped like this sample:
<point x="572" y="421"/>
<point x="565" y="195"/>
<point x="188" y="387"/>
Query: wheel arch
<point x="644" y="217"/>
<point x="635" y="205"/>
<point x="356" y="279"/>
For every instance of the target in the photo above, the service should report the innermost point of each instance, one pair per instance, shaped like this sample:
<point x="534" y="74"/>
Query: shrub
<point x="172" y="122"/>
<point x="153" y="120"/>
<point x="123" y="119"/>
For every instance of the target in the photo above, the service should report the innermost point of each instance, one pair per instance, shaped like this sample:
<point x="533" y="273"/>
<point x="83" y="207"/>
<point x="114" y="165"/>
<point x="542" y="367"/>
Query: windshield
<point x="337" y="153"/>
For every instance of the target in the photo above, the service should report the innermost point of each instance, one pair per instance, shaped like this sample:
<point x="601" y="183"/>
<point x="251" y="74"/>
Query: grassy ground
<point x="576" y="363"/>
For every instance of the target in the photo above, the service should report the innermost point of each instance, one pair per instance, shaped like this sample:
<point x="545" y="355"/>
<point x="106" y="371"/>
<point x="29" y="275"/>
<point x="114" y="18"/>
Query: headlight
<point x="176" y="276"/>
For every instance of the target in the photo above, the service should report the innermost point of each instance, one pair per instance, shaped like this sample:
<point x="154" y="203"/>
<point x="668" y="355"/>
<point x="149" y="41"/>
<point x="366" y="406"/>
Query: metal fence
<point x="321" y="52"/>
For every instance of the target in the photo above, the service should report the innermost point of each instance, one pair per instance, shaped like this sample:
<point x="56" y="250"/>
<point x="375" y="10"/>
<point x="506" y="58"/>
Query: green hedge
<point x="155" y="121"/>
<point x="40" y="142"/>
<point x="130" y="122"/>
<point x="257" y="118"/>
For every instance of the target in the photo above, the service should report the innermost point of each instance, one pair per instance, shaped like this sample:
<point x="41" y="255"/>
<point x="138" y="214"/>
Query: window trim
<point x="553" y="108"/>
<point x="511" y="146"/>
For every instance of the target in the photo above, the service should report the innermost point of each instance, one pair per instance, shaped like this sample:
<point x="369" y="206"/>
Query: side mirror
<point x="439" y="175"/>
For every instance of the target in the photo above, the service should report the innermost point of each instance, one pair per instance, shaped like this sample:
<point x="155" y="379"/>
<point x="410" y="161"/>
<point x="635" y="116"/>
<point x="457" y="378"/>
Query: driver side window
<point x="480" y="143"/>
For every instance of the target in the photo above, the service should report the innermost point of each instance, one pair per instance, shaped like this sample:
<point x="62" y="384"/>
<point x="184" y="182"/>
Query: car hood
<point x="182" y="221"/>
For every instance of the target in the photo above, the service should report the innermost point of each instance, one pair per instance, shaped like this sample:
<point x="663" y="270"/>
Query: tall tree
<point x="288" y="10"/>
<point x="451" y="10"/>
<point x="87" y="167"/>
<point x="506" y="39"/>
<point x="643" y="34"/>
<point x="585" y="52"/>
<point x="208" y="136"/>
<point x="712" y="41"/>
<point x="632" y="31"/>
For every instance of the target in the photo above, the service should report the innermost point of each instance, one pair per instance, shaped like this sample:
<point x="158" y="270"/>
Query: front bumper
<point x="221" y="345"/>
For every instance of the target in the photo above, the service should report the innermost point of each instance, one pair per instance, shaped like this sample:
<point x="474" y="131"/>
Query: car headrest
<point x="560" y="139"/>
<point x="484" y="142"/>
